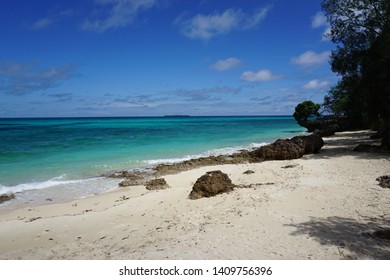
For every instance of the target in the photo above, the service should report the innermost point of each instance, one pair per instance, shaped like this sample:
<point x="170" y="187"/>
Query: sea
<point x="56" y="159"/>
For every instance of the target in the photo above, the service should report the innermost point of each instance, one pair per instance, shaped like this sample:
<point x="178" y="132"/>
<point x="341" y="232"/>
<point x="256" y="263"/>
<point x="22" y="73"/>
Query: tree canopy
<point x="306" y="109"/>
<point x="361" y="31"/>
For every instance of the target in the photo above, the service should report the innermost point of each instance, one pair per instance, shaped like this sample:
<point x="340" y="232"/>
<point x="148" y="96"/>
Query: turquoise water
<point x="40" y="153"/>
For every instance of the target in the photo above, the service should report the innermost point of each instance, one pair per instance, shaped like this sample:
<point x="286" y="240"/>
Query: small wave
<point x="56" y="181"/>
<point x="214" y="152"/>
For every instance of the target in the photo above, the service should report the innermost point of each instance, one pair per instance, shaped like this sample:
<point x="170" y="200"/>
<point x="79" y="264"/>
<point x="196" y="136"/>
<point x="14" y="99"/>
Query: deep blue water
<point x="39" y="153"/>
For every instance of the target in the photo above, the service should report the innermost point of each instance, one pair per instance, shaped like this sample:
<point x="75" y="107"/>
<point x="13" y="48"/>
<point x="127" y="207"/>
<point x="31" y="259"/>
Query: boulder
<point x="156" y="184"/>
<point x="279" y="150"/>
<point x="6" y="197"/>
<point x="384" y="181"/>
<point x="211" y="184"/>
<point x="311" y="143"/>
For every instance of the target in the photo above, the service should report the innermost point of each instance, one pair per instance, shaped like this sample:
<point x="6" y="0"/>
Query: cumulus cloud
<point x="20" y="79"/>
<point x="311" y="59"/>
<point x="121" y="14"/>
<point x="259" y="76"/>
<point x="316" y="84"/>
<point x="226" y="64"/>
<point x="205" y="27"/>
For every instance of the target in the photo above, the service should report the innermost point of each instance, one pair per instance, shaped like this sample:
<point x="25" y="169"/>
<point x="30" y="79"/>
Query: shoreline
<point x="321" y="206"/>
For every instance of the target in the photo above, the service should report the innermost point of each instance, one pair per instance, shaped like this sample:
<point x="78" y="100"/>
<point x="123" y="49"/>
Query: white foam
<point x="56" y="181"/>
<point x="214" y="152"/>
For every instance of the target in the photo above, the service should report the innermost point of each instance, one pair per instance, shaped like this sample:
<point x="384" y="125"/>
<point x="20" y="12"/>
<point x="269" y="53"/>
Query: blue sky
<point x="159" y="57"/>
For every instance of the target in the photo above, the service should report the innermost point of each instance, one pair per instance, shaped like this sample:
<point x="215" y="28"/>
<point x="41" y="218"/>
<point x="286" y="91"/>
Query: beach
<point x="321" y="206"/>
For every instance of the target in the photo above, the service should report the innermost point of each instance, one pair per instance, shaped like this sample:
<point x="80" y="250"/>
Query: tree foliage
<point x="361" y="31"/>
<point x="306" y="109"/>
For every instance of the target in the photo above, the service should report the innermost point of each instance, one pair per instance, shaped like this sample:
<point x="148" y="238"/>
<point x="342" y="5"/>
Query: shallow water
<point x="69" y="152"/>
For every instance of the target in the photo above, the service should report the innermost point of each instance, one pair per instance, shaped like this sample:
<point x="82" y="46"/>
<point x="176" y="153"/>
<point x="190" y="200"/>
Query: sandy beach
<point x="321" y="206"/>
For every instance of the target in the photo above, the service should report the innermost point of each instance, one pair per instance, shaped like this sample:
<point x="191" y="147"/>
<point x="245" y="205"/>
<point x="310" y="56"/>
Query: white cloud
<point x="42" y="23"/>
<point x="259" y="76"/>
<point x="319" y="20"/>
<point x="122" y="13"/>
<point x="20" y="79"/>
<point x="226" y="64"/>
<point x="311" y="59"/>
<point x="316" y="84"/>
<point x="205" y="27"/>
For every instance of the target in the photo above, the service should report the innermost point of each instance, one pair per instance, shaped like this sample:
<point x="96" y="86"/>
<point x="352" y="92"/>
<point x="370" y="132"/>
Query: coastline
<point x="321" y="206"/>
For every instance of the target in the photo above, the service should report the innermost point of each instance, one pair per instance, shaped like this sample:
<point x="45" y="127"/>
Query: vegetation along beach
<point x="195" y="130"/>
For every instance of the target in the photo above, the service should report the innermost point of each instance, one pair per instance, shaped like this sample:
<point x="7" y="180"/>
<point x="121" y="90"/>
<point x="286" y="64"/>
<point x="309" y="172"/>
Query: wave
<point x="214" y="152"/>
<point x="56" y="181"/>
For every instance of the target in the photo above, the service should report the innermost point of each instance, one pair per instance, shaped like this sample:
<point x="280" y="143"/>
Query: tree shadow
<point x="366" y="238"/>
<point x="341" y="145"/>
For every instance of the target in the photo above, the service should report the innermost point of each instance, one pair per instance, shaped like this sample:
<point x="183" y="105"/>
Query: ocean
<point x="67" y="156"/>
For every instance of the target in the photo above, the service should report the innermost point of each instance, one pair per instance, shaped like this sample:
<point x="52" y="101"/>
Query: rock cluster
<point x="284" y="149"/>
<point x="211" y="184"/>
<point x="289" y="148"/>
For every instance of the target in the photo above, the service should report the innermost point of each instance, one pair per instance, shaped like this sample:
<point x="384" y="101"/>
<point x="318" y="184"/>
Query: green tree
<point x="361" y="30"/>
<point x="305" y="110"/>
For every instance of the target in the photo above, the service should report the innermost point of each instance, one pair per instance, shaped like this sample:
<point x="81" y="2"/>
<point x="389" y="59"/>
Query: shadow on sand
<point x="366" y="238"/>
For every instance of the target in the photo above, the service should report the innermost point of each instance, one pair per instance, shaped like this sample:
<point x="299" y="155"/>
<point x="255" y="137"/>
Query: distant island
<point x="177" y="116"/>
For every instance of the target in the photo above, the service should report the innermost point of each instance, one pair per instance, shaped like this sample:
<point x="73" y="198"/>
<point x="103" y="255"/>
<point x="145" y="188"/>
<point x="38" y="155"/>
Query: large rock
<point x="279" y="150"/>
<point x="211" y="184"/>
<point x="311" y="143"/>
<point x="6" y="197"/>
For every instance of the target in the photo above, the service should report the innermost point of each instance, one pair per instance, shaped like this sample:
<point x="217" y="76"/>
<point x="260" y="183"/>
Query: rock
<point x="6" y="197"/>
<point x="249" y="172"/>
<point x="211" y="184"/>
<point x="384" y="181"/>
<point x="279" y="150"/>
<point x="156" y="184"/>
<point x="311" y="144"/>
<point x="367" y="148"/>
<point x="130" y="182"/>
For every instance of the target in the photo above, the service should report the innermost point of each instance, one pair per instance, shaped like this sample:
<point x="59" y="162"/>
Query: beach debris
<point x="33" y="219"/>
<point x="249" y="172"/>
<point x="6" y="197"/>
<point x="211" y="184"/>
<point x="384" y="181"/>
<point x="156" y="184"/>
<point x="290" y="166"/>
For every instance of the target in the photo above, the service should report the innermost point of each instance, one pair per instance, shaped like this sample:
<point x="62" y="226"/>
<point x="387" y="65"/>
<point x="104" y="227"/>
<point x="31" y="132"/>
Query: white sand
<point x="323" y="206"/>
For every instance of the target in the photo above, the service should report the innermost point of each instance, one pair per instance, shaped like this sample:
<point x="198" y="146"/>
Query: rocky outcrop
<point x="211" y="184"/>
<point x="156" y="184"/>
<point x="384" y="181"/>
<point x="6" y="197"/>
<point x="327" y="126"/>
<point x="279" y="150"/>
